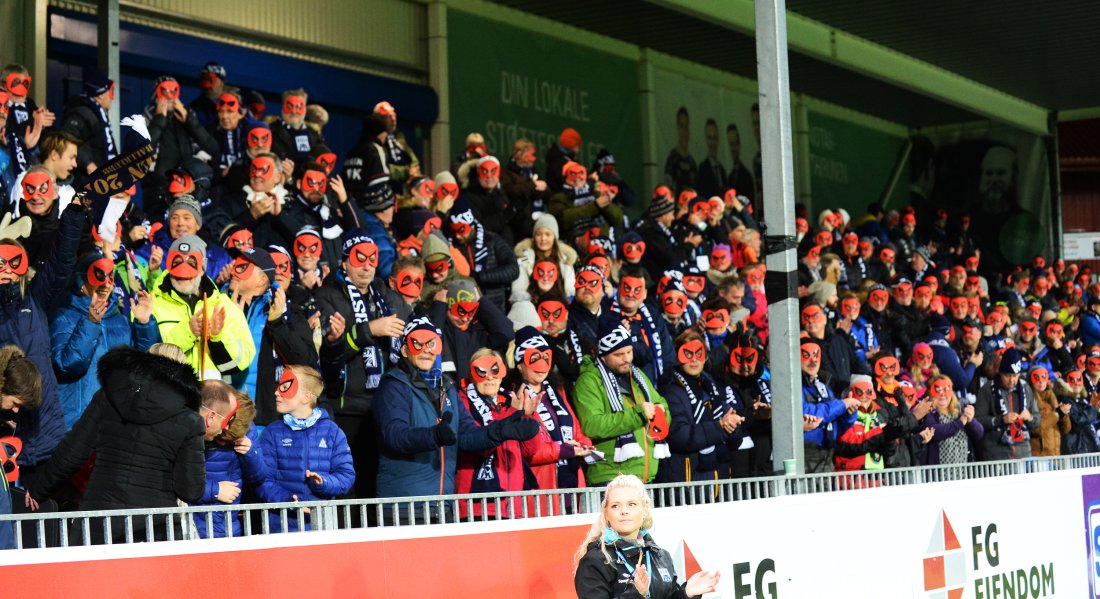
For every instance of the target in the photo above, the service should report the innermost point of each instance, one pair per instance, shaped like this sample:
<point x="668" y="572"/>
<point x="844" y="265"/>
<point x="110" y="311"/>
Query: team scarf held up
<point x="650" y="329"/>
<point x="373" y="362"/>
<point x="487" y="479"/>
<point x="1015" y="432"/>
<point x="626" y="444"/>
<point x="105" y="127"/>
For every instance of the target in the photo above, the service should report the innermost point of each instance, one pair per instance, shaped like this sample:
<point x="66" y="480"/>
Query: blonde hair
<point x="310" y="380"/>
<point x="596" y="532"/>
<point x="242" y="418"/>
<point x="953" y="401"/>
<point x="170" y="351"/>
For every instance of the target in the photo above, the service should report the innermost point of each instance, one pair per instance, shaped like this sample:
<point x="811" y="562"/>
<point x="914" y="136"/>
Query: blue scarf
<point x="433" y="377"/>
<point x="299" y="424"/>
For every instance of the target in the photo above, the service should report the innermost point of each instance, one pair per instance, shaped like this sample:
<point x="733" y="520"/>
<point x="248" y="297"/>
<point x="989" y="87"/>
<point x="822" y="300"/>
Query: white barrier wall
<point x="1001" y="538"/>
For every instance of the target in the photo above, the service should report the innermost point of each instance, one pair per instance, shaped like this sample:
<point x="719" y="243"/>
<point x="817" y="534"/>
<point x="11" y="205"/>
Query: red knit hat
<point x="570" y="139"/>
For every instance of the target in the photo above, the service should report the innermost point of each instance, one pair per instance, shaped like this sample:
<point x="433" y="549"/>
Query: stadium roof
<point x="918" y="64"/>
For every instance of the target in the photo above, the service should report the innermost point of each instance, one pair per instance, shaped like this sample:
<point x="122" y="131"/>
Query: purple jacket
<point x="945" y="430"/>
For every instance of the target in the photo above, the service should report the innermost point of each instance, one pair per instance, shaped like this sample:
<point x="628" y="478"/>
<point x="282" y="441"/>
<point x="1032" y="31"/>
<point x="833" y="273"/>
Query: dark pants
<point x="818" y="459"/>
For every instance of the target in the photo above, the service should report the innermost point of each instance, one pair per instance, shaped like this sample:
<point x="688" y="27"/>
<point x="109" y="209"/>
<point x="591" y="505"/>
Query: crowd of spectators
<point x="353" y="327"/>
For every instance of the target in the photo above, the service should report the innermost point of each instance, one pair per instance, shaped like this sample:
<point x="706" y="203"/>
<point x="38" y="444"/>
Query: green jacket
<point x="603" y="426"/>
<point x="228" y="352"/>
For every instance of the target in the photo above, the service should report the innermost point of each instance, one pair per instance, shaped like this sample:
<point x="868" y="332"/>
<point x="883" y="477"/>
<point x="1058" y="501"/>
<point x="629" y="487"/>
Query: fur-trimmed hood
<point x="145" y="388"/>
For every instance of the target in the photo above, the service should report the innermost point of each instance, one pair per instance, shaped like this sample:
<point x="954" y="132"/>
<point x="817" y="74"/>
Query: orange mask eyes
<point x="294" y="105"/>
<point x="546" y="271"/>
<point x="810" y="351"/>
<point x="282" y="263"/>
<point x="694" y="283"/>
<point x="464" y="309"/>
<point x="673" y="302"/>
<point x="850" y="307"/>
<point x="942" y="389"/>
<point x="632" y="287"/>
<point x="887" y="256"/>
<point x="228" y="102"/>
<point x="634" y="251"/>
<point x="1075" y="378"/>
<point x="923" y="354"/>
<point x="168" y="90"/>
<point x="744" y="357"/>
<point x="1039" y="376"/>
<point x="185" y="266"/>
<point x="589" y="280"/>
<point x="242" y="268"/>
<point x="424" y="341"/>
<point x="446" y="190"/>
<point x="812" y="314"/>
<point x="1029" y="328"/>
<point x="716" y="319"/>
<point x="241" y="240"/>
<point x="409" y="283"/>
<point x="314" y="181"/>
<point x="538" y="361"/>
<point x="14" y="259"/>
<point x="307" y="245"/>
<point x="489" y="169"/>
<point x="602" y="263"/>
<point x="259" y="138"/>
<point x="487" y="367"/>
<point x="879" y="297"/>
<point x="438" y="267"/>
<point x="863" y="391"/>
<point x="101" y="273"/>
<point x="288" y="384"/>
<point x="327" y="160"/>
<point x="37" y="184"/>
<point x="886" y="366"/>
<point x="262" y="168"/>
<point x="553" y="311"/>
<point x="364" y="254"/>
<point x="692" y="351"/>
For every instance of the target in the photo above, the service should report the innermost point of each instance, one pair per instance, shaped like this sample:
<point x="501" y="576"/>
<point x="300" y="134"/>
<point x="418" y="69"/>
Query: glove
<point x="443" y="433"/>
<point x="512" y="428"/>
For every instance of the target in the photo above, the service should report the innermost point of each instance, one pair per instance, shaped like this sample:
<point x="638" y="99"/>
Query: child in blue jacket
<point x="233" y="460"/>
<point x="307" y="455"/>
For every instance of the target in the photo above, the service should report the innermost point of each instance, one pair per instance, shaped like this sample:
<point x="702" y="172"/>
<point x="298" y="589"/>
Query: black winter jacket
<point x="173" y="140"/>
<point x="144" y="427"/>
<point x="497" y="269"/>
<point x="597" y="579"/>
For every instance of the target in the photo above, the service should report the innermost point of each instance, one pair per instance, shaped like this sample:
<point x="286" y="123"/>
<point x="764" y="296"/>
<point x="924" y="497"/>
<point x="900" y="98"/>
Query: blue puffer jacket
<point x="23" y="322"/>
<point x="223" y="463"/>
<point x="256" y="315"/>
<point x="77" y="344"/>
<point x="411" y="461"/>
<point x="322" y="448"/>
<point x="387" y="249"/>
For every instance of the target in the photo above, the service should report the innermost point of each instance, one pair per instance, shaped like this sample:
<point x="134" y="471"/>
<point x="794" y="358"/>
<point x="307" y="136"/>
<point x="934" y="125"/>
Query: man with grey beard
<point x="216" y="340"/>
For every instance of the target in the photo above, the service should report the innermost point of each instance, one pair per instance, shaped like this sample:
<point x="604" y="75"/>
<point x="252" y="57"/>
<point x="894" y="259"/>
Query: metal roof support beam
<point x="777" y="153"/>
<point x="854" y="53"/>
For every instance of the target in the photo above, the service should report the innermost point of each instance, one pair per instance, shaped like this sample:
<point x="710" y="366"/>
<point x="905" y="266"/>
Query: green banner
<point x="851" y="166"/>
<point x="507" y="83"/>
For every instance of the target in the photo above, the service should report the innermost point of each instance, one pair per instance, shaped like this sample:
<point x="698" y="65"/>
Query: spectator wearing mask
<point x="822" y="412"/>
<point x="145" y="427"/>
<point x="185" y="218"/>
<point x="566" y="150"/>
<point x="259" y="205"/>
<point x="58" y="152"/>
<point x="867" y="434"/>
<point x="24" y="322"/>
<point x="520" y="181"/>
<point x="556" y="450"/>
<point x="589" y="303"/>
<point x="470" y="323"/>
<point x="41" y="208"/>
<point x="1006" y="409"/>
<point x="401" y="161"/>
<point x="25" y="121"/>
<point x="87" y="325"/>
<point x="955" y="430"/>
<point x="422" y="421"/>
<point x="85" y="118"/>
<point x="311" y="205"/>
<point x="291" y="137"/>
<point x="360" y="345"/>
<point x="174" y="131"/>
<point x="1048" y="438"/>
<point x="663" y="250"/>
<point x="306" y="454"/>
<point x="1077" y="422"/>
<point x="492" y="262"/>
<point x="653" y="348"/>
<point x="622" y="412"/>
<point x="212" y="83"/>
<point x="492" y="207"/>
<point x="229" y="129"/>
<point x="193" y="315"/>
<point x="703" y="417"/>
<point x="234" y="461"/>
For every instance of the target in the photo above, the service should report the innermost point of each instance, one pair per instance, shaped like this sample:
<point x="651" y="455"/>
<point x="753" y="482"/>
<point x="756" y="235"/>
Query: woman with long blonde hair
<point x="618" y="556"/>
<point x="955" y="431"/>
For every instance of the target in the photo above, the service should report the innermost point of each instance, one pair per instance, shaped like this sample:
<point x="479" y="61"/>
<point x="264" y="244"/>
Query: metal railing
<point x="66" y="529"/>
